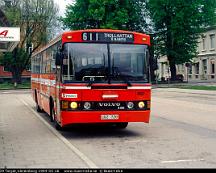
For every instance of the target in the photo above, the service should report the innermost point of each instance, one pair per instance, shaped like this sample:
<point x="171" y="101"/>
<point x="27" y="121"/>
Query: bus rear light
<point x="64" y="105"/>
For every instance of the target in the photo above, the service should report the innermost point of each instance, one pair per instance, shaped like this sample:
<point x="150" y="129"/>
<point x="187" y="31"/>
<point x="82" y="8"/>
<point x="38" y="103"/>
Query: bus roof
<point x="77" y="37"/>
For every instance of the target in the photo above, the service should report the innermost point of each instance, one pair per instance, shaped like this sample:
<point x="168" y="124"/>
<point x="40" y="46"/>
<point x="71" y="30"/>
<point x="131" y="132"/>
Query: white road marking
<point x="178" y="161"/>
<point x="82" y="156"/>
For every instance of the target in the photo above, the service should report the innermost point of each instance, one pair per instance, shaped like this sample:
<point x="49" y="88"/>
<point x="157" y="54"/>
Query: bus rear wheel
<point x="52" y="115"/>
<point x="122" y="125"/>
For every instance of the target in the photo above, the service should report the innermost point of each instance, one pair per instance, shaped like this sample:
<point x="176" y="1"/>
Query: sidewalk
<point x="192" y="83"/>
<point x="189" y="91"/>
<point x="25" y="142"/>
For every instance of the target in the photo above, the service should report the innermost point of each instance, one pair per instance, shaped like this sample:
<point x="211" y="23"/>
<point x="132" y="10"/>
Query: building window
<point x="28" y="69"/>
<point x="196" y="68"/>
<point x="29" y="48"/>
<point x="5" y="69"/>
<point x="212" y="41"/>
<point x="203" y="43"/>
<point x="205" y="66"/>
<point x="190" y="69"/>
<point x="212" y="67"/>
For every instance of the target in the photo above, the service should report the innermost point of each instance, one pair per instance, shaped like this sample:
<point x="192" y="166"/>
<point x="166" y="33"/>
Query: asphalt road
<point x="181" y="133"/>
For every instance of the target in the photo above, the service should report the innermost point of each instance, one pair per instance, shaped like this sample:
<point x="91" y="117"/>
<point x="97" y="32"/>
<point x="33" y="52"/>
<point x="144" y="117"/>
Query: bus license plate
<point x="109" y="117"/>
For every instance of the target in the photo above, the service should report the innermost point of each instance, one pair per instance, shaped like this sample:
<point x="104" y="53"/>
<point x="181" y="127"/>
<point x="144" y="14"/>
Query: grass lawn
<point x="198" y="87"/>
<point x="25" y="85"/>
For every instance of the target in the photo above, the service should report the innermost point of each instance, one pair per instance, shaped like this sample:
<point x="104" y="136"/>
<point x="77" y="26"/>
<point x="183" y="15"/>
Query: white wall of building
<point x="203" y="67"/>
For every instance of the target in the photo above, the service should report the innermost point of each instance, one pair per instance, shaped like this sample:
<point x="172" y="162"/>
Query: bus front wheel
<point x="53" y="117"/>
<point x="38" y="108"/>
<point x="57" y="126"/>
<point x="121" y="125"/>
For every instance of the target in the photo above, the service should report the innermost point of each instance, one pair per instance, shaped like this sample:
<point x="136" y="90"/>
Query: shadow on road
<point x="85" y="131"/>
<point x="79" y="131"/>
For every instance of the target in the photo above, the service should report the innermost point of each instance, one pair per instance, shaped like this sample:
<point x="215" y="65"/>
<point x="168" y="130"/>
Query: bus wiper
<point x="116" y="74"/>
<point x="123" y="77"/>
<point x="92" y="79"/>
<point x="90" y="83"/>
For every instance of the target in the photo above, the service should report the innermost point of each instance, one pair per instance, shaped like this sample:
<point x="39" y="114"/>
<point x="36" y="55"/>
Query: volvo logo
<point x="109" y="104"/>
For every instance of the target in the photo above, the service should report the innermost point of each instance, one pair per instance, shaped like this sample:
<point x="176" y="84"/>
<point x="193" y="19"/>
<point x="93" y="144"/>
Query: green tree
<point x="113" y="14"/>
<point x="35" y="18"/>
<point x="178" y="25"/>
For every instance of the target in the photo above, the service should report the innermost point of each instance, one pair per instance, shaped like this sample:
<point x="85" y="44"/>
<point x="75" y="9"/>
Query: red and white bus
<point x="93" y="76"/>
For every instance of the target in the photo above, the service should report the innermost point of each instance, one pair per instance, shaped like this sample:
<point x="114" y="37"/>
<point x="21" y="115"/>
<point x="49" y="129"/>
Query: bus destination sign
<point x="107" y="37"/>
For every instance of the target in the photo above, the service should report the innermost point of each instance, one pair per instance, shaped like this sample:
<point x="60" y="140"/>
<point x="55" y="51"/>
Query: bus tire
<point x="122" y="125"/>
<point x="37" y="105"/>
<point x="58" y="126"/>
<point x="38" y="108"/>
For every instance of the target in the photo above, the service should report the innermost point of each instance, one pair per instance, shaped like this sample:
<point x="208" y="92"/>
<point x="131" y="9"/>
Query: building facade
<point x="201" y="68"/>
<point x="6" y="75"/>
<point x="9" y="39"/>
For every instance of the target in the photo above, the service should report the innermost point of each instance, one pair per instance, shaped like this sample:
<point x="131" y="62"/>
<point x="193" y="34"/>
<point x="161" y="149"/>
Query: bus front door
<point x="58" y="86"/>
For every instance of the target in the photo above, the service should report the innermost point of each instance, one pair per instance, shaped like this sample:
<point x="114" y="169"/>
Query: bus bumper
<point x="68" y="118"/>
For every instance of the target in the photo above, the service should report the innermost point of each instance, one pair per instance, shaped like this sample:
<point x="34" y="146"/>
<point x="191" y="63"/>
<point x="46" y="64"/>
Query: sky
<point x="62" y="5"/>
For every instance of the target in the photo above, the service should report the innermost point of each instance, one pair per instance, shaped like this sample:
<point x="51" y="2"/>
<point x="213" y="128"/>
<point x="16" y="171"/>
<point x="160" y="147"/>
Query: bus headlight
<point x="73" y="105"/>
<point x="130" y="105"/>
<point x="141" y="105"/>
<point x="87" y="105"/>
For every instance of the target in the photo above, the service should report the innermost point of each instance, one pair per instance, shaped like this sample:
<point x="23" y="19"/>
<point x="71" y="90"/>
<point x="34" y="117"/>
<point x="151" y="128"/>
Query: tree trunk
<point x="16" y="75"/>
<point x="152" y="65"/>
<point x="16" y="70"/>
<point x="172" y="65"/>
<point x="152" y="59"/>
<point x="152" y="74"/>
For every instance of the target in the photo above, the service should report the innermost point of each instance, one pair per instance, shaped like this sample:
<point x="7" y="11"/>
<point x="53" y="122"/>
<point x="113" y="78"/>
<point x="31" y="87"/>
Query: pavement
<point x="26" y="142"/>
<point x="189" y="91"/>
<point x="190" y="83"/>
<point x="181" y="134"/>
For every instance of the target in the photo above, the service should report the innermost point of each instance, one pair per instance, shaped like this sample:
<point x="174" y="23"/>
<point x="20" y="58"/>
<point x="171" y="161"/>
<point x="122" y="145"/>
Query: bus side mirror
<point x="58" y="59"/>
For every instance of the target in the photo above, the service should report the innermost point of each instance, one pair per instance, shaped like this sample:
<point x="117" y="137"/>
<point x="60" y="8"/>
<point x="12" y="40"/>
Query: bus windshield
<point x="99" y="63"/>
